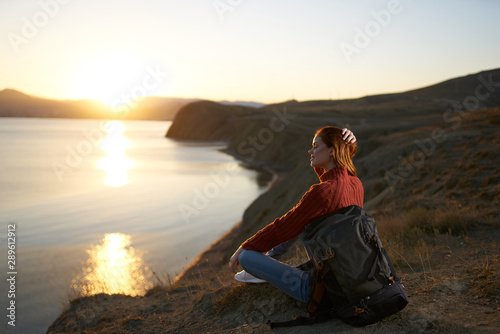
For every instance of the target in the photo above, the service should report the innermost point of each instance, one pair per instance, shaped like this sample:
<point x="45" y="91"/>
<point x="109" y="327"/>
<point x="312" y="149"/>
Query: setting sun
<point x="108" y="79"/>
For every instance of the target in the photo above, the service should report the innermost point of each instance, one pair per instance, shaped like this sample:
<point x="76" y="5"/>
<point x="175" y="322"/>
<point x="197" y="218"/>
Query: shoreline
<point x="202" y="273"/>
<point x="210" y="257"/>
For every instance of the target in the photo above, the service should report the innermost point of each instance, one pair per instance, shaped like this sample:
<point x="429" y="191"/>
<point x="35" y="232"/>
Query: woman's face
<point x="321" y="155"/>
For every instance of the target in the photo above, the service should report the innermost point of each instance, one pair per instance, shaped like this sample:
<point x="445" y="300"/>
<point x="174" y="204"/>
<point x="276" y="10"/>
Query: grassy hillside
<point x="431" y="179"/>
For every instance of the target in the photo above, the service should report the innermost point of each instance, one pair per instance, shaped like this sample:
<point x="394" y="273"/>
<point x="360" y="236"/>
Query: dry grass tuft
<point x="486" y="282"/>
<point x="420" y="222"/>
<point x="414" y="237"/>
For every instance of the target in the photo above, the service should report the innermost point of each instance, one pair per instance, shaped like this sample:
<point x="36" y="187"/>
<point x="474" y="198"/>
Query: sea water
<point x="89" y="206"/>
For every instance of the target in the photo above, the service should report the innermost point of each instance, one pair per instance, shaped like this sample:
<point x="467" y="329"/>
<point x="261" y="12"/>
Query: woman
<point x="331" y="157"/>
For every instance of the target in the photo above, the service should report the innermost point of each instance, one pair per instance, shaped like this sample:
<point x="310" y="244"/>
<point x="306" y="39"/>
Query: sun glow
<point x="116" y="163"/>
<point x="108" y="79"/>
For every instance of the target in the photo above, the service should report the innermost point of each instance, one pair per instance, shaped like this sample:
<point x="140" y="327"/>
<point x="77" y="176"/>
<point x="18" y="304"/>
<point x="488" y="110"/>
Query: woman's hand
<point x="348" y="136"/>
<point x="233" y="261"/>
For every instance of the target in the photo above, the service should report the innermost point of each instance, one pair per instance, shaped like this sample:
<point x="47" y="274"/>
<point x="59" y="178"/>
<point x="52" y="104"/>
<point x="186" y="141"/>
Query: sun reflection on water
<point x="116" y="163"/>
<point x="113" y="267"/>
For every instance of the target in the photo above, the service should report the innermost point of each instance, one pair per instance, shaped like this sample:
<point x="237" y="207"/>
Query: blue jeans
<point x="292" y="281"/>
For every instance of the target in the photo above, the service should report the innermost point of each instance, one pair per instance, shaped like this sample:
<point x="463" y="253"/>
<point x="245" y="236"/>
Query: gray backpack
<point x="352" y="276"/>
<point x="352" y="269"/>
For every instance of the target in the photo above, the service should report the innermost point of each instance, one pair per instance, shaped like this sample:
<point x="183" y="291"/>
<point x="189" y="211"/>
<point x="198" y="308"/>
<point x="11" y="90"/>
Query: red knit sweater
<point x="338" y="189"/>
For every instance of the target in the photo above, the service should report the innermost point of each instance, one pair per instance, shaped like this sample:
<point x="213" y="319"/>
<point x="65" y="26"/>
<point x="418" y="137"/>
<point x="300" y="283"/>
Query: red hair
<point x="342" y="151"/>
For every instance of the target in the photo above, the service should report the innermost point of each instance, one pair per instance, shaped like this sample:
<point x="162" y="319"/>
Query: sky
<point x="245" y="50"/>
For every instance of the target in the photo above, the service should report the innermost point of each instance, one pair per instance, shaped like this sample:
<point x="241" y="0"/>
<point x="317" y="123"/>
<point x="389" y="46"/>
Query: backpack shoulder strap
<point x="391" y="266"/>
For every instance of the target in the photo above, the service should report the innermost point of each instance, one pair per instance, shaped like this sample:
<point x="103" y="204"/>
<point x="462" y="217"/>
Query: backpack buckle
<point x="358" y="310"/>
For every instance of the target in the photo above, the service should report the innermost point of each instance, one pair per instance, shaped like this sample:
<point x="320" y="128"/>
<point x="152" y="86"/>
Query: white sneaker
<point x="245" y="277"/>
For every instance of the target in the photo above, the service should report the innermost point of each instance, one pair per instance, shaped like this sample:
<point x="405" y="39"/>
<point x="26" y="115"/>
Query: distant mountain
<point x="17" y="104"/>
<point x="13" y="94"/>
<point x="243" y="103"/>
<point x="483" y="87"/>
<point x="485" y="83"/>
<point x="158" y="108"/>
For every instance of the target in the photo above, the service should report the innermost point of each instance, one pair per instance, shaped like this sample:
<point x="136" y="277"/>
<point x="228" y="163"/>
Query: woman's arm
<point x="313" y="204"/>
<point x="233" y="261"/>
